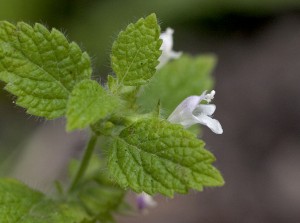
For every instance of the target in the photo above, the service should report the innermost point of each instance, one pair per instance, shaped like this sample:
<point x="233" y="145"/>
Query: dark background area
<point x="257" y="84"/>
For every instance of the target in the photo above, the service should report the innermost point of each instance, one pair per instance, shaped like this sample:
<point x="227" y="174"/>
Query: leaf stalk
<point x="84" y="162"/>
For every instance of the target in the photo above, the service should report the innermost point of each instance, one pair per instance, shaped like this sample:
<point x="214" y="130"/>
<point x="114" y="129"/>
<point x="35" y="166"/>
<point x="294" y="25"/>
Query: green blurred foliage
<point x="95" y="24"/>
<point x="104" y="19"/>
<point x="176" y="81"/>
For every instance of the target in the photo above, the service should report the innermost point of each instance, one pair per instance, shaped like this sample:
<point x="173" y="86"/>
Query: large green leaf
<point x="19" y="203"/>
<point x="155" y="156"/>
<point x="136" y="51"/>
<point x="40" y="67"/>
<point x="177" y="80"/>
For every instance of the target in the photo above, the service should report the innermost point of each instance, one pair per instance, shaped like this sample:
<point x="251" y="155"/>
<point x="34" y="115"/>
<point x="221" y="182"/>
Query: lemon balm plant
<point x="145" y="146"/>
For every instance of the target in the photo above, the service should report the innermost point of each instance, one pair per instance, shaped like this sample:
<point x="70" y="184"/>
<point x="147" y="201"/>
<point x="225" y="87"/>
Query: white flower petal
<point x="188" y="122"/>
<point x="211" y="123"/>
<point x="167" y="38"/>
<point x="190" y="112"/>
<point x="145" y="201"/>
<point x="183" y="112"/>
<point x="208" y="109"/>
<point x="166" y="48"/>
<point x="174" y="55"/>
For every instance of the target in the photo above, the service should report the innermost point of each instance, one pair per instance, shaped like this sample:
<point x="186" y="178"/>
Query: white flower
<point x="166" y="48"/>
<point x="145" y="201"/>
<point x="190" y="112"/>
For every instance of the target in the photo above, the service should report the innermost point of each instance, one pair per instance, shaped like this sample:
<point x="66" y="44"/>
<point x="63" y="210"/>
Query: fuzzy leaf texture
<point x="136" y="51"/>
<point x="88" y="103"/>
<point x="177" y="80"/>
<point x="19" y="203"/>
<point x="40" y="67"/>
<point x="155" y="156"/>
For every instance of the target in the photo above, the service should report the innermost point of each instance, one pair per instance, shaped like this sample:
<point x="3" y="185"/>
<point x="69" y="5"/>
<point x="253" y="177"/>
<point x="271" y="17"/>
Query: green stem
<point x="84" y="162"/>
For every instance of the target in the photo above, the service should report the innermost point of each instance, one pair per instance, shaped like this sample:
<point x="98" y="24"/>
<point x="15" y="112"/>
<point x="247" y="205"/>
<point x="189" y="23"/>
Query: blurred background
<point x="257" y="83"/>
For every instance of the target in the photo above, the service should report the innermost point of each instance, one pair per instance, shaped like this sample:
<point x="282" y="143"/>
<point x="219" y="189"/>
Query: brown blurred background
<point x="258" y="101"/>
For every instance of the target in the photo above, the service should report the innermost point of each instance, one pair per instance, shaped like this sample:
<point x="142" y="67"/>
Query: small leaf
<point x="88" y="103"/>
<point x="136" y="51"/>
<point x="177" y="80"/>
<point x="156" y="156"/>
<point x="40" y="67"/>
<point x="19" y="203"/>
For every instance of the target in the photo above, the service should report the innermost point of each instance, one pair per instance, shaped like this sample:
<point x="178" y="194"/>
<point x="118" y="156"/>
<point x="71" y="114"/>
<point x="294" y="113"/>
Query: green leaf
<point x="88" y="103"/>
<point x="177" y="80"/>
<point x="19" y="203"/>
<point x="155" y="156"/>
<point x="136" y="51"/>
<point x="40" y="67"/>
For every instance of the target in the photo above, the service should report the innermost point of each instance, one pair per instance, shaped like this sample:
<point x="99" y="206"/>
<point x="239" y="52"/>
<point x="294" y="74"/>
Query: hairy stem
<point x="84" y="162"/>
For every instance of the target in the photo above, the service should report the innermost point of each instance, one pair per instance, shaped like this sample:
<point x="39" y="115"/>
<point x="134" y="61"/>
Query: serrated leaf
<point x="88" y="103"/>
<point x="136" y="51"/>
<point x="40" y="67"/>
<point x="19" y="203"/>
<point x="177" y="80"/>
<point x="156" y="156"/>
